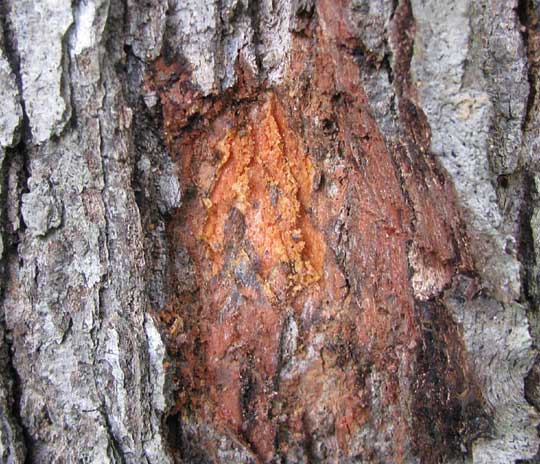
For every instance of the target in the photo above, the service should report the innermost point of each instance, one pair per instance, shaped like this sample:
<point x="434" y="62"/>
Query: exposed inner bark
<point x="311" y="257"/>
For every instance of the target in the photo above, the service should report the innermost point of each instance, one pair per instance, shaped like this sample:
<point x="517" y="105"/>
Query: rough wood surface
<point x="269" y="231"/>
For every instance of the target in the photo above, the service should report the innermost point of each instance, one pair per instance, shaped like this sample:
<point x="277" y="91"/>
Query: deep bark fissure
<point x="529" y="21"/>
<point x="14" y="159"/>
<point x="529" y="29"/>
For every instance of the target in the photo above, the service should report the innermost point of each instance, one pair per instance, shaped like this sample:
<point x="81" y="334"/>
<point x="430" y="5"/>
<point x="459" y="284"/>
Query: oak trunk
<point x="276" y="231"/>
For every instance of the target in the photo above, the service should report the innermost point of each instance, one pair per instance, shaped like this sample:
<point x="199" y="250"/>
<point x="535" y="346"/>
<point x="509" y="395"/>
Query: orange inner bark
<point x="265" y="175"/>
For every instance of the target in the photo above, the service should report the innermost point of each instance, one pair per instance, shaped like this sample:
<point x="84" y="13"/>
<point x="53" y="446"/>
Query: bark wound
<point x="263" y="173"/>
<point x="311" y="259"/>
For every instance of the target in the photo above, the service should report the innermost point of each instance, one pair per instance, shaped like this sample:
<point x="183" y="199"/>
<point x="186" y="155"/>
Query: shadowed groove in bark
<point x="528" y="13"/>
<point x="12" y="169"/>
<point x="529" y="20"/>
<point x="530" y="286"/>
<point x="13" y="178"/>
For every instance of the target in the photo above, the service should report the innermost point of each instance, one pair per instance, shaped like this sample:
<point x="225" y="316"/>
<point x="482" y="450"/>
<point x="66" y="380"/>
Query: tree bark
<point x="284" y="231"/>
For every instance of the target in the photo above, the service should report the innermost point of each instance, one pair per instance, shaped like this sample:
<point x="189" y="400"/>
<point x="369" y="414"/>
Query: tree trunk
<point x="277" y="231"/>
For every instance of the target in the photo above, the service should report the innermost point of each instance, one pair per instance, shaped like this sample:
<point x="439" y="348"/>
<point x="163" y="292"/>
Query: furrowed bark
<point x="279" y="231"/>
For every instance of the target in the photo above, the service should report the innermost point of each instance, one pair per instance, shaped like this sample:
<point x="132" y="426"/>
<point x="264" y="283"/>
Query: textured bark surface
<point x="280" y="231"/>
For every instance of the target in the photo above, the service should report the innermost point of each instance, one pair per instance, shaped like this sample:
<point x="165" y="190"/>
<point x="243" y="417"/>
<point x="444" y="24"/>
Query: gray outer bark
<point x="87" y="184"/>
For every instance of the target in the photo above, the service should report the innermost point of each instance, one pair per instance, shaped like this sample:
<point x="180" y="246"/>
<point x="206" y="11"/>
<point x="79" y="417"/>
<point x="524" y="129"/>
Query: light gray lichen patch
<point x="169" y="188"/>
<point x="463" y="107"/>
<point x="499" y="346"/>
<point x="235" y="40"/>
<point x="146" y="25"/>
<point x="90" y="19"/>
<point x="11" y="114"/>
<point x="469" y="69"/>
<point x="39" y="30"/>
<point x="193" y="24"/>
<point x="41" y="211"/>
<point x="156" y="351"/>
<point x="275" y="38"/>
<point x="459" y="116"/>
<point x="214" y="36"/>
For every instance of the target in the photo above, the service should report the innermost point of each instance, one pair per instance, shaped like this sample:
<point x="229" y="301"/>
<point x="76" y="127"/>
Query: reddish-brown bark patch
<point x="312" y="254"/>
